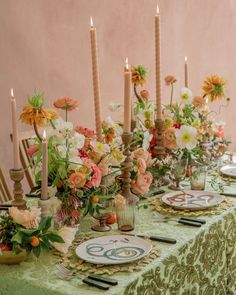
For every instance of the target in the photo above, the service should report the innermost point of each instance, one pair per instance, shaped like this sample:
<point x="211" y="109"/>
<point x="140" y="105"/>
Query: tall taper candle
<point x="96" y="86"/>
<point x="44" y="185"/>
<point x="15" y="137"/>
<point x="186" y="71"/>
<point x="158" y="63"/>
<point x="127" y="98"/>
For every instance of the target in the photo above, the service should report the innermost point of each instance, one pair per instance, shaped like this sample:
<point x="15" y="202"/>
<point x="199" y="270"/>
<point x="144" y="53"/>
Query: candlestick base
<point x="16" y="176"/>
<point x="160" y="150"/>
<point x="126" y="169"/>
<point x="46" y="207"/>
<point x="133" y="144"/>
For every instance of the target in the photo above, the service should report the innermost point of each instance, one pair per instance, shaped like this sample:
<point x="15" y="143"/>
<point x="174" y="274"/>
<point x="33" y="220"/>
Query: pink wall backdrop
<point x="45" y="45"/>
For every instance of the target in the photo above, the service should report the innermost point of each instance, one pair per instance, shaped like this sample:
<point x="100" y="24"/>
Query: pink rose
<point x="141" y="165"/>
<point x="220" y="132"/>
<point x="142" y="183"/>
<point x="145" y="155"/>
<point x="96" y="178"/>
<point x="32" y="150"/>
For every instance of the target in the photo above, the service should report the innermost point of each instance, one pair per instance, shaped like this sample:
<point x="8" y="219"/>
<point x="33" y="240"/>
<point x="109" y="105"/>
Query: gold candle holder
<point x="16" y="176"/>
<point x="160" y="150"/>
<point x="127" y="167"/>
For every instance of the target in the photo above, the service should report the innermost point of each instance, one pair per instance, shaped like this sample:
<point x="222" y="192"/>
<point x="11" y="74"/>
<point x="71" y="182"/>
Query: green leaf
<point x="17" y="237"/>
<point x="30" y="232"/>
<point x="54" y="237"/>
<point x="37" y="251"/>
<point x="45" y="224"/>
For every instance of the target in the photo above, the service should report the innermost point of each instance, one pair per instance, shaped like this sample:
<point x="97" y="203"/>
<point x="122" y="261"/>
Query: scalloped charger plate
<point x="192" y="200"/>
<point x="229" y="170"/>
<point x="116" y="249"/>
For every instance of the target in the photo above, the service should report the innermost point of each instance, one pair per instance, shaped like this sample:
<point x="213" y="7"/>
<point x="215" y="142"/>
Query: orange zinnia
<point x="66" y="103"/>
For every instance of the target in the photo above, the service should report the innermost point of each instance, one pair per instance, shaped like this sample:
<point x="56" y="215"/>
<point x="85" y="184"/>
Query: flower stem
<point x="171" y="94"/>
<point x="36" y="131"/>
<point x="136" y="94"/>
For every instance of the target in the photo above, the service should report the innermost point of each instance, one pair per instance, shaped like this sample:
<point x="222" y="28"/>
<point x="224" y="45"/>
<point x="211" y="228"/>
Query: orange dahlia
<point x="213" y="87"/>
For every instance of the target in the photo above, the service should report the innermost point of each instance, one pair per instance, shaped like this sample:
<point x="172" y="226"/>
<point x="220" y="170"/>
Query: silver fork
<point x="63" y="272"/>
<point x="181" y="220"/>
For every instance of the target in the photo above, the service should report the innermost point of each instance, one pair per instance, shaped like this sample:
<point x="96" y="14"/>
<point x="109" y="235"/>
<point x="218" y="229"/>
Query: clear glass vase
<point x="198" y="177"/>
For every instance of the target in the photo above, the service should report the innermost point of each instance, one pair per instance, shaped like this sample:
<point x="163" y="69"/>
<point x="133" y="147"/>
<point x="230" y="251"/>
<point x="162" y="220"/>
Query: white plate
<point x="117" y="249"/>
<point x="229" y="170"/>
<point x="192" y="200"/>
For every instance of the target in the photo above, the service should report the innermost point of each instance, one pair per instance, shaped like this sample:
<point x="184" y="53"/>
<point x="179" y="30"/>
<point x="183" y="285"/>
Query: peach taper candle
<point x="127" y="98"/>
<point x="158" y="62"/>
<point x="96" y="86"/>
<point x="44" y="185"/>
<point x="15" y="137"/>
<point x="186" y="71"/>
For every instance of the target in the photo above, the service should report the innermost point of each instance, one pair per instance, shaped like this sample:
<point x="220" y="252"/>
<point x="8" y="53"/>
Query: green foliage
<point x="37" y="100"/>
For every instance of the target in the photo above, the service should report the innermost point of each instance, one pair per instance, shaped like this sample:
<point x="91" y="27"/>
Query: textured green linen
<point x="203" y="261"/>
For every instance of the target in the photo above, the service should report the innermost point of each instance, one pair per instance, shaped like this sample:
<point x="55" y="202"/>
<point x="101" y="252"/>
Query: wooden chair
<point x="26" y="161"/>
<point x="5" y="194"/>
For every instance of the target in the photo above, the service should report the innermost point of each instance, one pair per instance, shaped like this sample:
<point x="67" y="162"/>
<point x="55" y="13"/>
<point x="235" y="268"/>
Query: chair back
<point x="5" y="194"/>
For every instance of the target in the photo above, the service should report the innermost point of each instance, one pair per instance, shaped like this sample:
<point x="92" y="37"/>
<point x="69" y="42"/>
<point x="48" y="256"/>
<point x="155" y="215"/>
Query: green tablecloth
<point x="203" y="261"/>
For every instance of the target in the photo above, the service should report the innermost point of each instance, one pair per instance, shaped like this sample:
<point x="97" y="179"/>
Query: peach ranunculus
<point x="170" y="138"/>
<point x="86" y="132"/>
<point x="32" y="150"/>
<point x="145" y="155"/>
<point x="141" y="165"/>
<point x="170" y="80"/>
<point x="96" y="178"/>
<point x="26" y="218"/>
<point x="66" y="103"/>
<point x="220" y="132"/>
<point x="145" y="94"/>
<point x="142" y="183"/>
<point x="77" y="180"/>
<point x="199" y="101"/>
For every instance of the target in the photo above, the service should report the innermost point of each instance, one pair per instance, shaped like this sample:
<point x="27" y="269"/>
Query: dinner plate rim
<point x="193" y="208"/>
<point x="233" y="165"/>
<point x="147" y="242"/>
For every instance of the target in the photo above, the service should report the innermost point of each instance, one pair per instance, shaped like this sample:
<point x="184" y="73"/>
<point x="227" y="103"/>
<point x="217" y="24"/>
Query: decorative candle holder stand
<point x="16" y="176"/>
<point x="46" y="207"/>
<point x="160" y="150"/>
<point x="133" y="126"/>
<point x="131" y="199"/>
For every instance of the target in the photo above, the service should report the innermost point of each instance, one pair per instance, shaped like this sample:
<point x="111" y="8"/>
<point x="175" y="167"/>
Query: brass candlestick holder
<point x="16" y="176"/>
<point x="160" y="150"/>
<point x="131" y="200"/>
<point x="133" y="126"/>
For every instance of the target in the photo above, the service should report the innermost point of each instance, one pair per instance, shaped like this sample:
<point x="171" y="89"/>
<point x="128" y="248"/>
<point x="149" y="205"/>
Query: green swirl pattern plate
<point x="116" y="249"/>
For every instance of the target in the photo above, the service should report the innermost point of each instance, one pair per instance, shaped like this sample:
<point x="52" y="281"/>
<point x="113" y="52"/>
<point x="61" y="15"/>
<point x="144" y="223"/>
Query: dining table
<point x="202" y="261"/>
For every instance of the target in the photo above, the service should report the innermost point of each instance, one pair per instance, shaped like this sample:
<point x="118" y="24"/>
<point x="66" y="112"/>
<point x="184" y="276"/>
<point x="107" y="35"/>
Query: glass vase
<point x="198" y="177"/>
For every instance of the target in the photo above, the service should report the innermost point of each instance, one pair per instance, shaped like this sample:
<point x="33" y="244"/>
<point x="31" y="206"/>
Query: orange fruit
<point x="59" y="184"/>
<point x="112" y="218"/>
<point x="95" y="199"/>
<point x="34" y="242"/>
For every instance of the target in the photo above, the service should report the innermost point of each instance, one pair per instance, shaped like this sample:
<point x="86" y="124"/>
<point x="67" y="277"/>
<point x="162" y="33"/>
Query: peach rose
<point x="77" y="180"/>
<point x="199" y="101"/>
<point x="170" y="138"/>
<point x="32" y="150"/>
<point x="220" y="132"/>
<point x="141" y="165"/>
<point x="145" y="155"/>
<point x="142" y="183"/>
<point x="103" y="168"/>
<point x="66" y="103"/>
<point x="26" y="218"/>
<point x="170" y="80"/>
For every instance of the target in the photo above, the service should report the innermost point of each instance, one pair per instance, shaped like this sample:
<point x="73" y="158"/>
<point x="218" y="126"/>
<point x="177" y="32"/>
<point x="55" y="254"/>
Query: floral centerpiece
<point x="25" y="231"/>
<point x="78" y="164"/>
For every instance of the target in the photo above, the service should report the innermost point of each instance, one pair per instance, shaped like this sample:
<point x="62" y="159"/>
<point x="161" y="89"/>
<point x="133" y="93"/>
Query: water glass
<point x="198" y="177"/>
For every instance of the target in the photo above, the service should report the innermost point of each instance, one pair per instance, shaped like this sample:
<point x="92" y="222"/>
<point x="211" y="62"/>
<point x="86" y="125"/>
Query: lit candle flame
<point x="126" y="63"/>
<point x="12" y="93"/>
<point x="44" y="135"/>
<point x="186" y="58"/>
<point x="157" y="9"/>
<point x="91" y="21"/>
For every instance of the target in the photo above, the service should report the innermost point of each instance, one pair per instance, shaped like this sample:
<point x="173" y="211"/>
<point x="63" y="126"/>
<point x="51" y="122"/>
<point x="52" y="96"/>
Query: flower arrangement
<point x="24" y="230"/>
<point x="78" y="165"/>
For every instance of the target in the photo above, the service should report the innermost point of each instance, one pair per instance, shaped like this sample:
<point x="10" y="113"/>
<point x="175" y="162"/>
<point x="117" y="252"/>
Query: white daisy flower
<point x="186" y="95"/>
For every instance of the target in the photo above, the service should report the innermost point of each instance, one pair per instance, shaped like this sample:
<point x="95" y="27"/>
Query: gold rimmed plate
<point x="192" y="200"/>
<point x="229" y="170"/>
